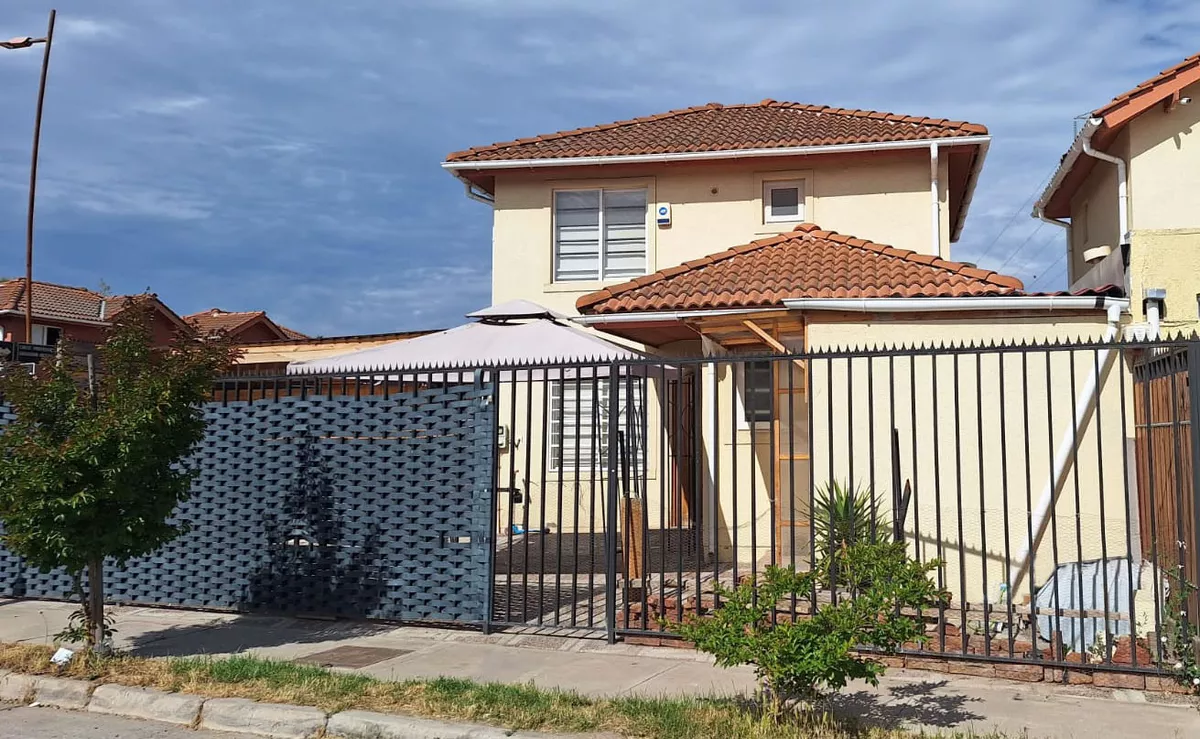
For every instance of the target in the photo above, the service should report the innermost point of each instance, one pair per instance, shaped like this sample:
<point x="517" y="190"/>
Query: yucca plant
<point x="842" y="518"/>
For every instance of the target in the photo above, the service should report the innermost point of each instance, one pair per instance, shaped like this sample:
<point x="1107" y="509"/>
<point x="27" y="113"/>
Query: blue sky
<point x="284" y="156"/>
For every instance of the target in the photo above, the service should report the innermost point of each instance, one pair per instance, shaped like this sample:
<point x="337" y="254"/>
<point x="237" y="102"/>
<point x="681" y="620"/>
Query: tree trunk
<point x="95" y="611"/>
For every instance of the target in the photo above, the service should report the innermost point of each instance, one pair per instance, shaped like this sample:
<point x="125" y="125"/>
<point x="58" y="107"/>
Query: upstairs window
<point x="599" y="234"/>
<point x="783" y="201"/>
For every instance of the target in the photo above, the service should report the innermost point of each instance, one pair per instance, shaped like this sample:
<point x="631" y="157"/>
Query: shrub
<point x="805" y="659"/>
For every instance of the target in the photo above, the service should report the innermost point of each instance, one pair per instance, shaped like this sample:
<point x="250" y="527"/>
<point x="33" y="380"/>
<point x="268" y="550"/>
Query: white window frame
<point x="597" y="444"/>
<point x="771" y="185"/>
<point x="601" y="234"/>
<point x="40" y="331"/>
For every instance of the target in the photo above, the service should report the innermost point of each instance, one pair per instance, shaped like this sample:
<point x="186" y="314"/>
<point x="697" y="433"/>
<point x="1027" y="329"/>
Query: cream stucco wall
<point x="980" y="459"/>
<point x="1163" y="152"/>
<point x="882" y="196"/>
<point x="1094" y="212"/>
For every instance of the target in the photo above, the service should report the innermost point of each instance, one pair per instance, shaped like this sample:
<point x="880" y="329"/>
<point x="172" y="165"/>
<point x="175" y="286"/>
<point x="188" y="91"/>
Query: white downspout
<point x="1154" y="318"/>
<point x="1063" y="455"/>
<point x="477" y="197"/>
<point x="935" y="207"/>
<point x="1122" y="181"/>
<point x="708" y="400"/>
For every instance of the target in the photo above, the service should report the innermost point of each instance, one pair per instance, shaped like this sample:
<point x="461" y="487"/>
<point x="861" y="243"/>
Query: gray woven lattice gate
<point x="347" y="504"/>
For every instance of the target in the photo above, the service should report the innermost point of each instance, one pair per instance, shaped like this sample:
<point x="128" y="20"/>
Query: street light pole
<point x="24" y="43"/>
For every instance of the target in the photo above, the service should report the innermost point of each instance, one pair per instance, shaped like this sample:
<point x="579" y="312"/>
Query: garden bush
<point x="807" y="657"/>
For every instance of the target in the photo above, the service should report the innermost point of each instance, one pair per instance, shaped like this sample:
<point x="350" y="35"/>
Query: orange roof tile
<point x="716" y="127"/>
<point x="216" y="320"/>
<point x="1178" y="72"/>
<point x="1073" y="169"/>
<point x="62" y="302"/>
<point x="805" y="263"/>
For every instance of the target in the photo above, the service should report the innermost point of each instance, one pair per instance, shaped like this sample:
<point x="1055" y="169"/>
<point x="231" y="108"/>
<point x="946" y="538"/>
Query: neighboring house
<point x="243" y="327"/>
<point x="273" y="357"/>
<point x="1129" y="191"/>
<point x="693" y="232"/>
<point x="75" y="313"/>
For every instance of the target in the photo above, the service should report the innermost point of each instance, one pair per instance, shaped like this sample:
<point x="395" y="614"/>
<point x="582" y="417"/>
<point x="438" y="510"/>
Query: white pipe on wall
<point x="935" y="208"/>
<point x="1122" y="182"/>
<point x="708" y="396"/>
<point x="1154" y="318"/>
<point x="1063" y="455"/>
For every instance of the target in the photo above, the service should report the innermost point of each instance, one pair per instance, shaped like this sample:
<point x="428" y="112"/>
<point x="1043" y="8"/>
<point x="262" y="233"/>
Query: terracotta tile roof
<point x="716" y="127"/>
<point x="215" y="319"/>
<point x="61" y="302"/>
<point x="805" y="263"/>
<point x="291" y="333"/>
<point x="1179" y="72"/>
<point x="1073" y="168"/>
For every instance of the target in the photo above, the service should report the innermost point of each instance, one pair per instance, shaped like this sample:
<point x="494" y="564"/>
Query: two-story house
<point x="74" y="313"/>
<point x="1128" y="193"/>
<point x="761" y="228"/>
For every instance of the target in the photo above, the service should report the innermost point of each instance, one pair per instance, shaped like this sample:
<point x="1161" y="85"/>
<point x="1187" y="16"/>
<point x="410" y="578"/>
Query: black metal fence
<point x="1054" y="482"/>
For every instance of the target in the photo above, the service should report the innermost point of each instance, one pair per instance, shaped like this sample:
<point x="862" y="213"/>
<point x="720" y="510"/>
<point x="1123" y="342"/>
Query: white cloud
<point x="77" y="28"/>
<point x="285" y="156"/>
<point x="169" y="105"/>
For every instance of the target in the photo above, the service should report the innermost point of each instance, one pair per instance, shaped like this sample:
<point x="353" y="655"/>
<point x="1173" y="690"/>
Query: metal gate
<point x="1165" y="419"/>
<point x="339" y="496"/>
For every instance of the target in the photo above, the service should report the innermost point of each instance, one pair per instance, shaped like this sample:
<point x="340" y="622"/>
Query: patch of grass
<point x="516" y="707"/>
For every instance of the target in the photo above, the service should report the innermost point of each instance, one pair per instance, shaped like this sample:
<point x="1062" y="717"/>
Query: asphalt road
<point x="48" y="723"/>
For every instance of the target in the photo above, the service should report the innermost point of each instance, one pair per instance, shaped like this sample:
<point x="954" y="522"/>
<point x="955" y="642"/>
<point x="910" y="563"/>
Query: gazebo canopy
<point x="514" y="333"/>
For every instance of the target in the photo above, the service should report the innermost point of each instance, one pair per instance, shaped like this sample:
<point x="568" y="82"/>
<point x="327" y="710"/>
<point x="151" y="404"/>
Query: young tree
<point x="90" y="468"/>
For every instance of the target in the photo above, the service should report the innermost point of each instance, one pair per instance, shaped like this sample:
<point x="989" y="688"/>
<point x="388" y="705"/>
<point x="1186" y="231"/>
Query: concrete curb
<point x="240" y="715"/>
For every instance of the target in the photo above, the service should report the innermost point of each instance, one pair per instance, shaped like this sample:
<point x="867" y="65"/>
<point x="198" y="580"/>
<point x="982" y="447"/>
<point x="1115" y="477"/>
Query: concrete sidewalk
<point x="914" y="699"/>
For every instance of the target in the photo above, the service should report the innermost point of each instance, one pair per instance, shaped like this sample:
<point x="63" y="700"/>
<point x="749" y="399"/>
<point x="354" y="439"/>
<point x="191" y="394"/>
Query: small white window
<point x="783" y="201"/>
<point x="46" y="335"/>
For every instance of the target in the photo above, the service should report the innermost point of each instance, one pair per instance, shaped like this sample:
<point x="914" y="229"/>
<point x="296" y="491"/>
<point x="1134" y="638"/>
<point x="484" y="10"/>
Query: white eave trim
<point x="666" y="316"/>
<point x="686" y="156"/>
<point x="874" y="305"/>
<point x="993" y="303"/>
<point x="63" y="319"/>
<point x="1067" y="163"/>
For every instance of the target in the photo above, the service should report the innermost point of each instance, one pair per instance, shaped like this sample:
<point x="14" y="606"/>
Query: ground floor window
<point x="579" y="425"/>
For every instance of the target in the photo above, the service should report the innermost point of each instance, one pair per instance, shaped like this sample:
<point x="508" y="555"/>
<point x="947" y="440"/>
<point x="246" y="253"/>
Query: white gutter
<point x="921" y="305"/>
<point x="72" y="319"/>
<point x="1040" y="213"/>
<point x="1067" y="163"/>
<point x="935" y="206"/>
<point x="1062" y="457"/>
<point x="1122" y="181"/>
<point x="687" y="156"/>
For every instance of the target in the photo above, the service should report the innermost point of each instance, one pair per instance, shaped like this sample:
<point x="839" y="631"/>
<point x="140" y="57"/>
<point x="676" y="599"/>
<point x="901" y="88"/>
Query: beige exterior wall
<point x="881" y="196"/>
<point x="952" y="481"/>
<point x="1163" y="152"/>
<point x="1094" y="212"/>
